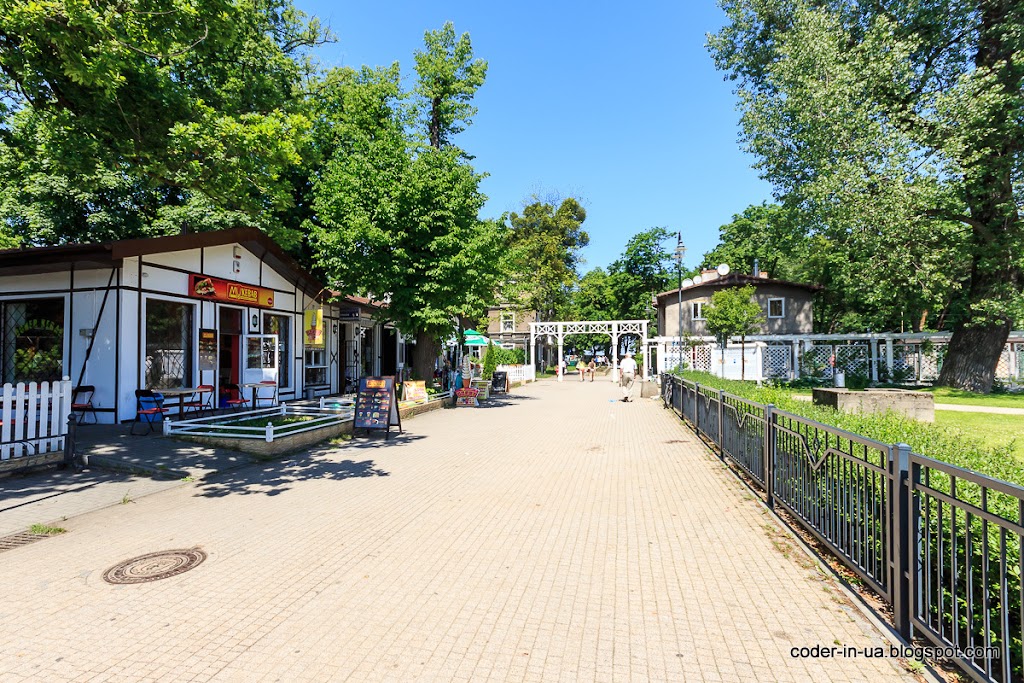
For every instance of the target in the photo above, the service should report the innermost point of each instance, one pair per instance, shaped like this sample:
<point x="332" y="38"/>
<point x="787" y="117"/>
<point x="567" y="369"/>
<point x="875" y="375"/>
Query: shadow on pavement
<point x="278" y="476"/>
<point x="18" y="490"/>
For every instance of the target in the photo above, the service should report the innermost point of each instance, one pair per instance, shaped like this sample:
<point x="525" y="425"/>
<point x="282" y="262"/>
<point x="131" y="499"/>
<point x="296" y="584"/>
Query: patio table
<point x="255" y="386"/>
<point x="181" y="393"/>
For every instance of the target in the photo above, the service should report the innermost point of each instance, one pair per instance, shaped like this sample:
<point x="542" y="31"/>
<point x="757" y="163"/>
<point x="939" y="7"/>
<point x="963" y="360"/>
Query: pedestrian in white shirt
<point x="627" y="375"/>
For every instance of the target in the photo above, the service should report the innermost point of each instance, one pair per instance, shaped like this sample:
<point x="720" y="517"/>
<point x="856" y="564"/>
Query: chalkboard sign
<point x="499" y="381"/>
<point x="377" y="405"/>
<point x="207" y="350"/>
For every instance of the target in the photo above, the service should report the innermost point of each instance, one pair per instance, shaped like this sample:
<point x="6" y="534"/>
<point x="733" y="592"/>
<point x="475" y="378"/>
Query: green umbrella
<point x="474" y="338"/>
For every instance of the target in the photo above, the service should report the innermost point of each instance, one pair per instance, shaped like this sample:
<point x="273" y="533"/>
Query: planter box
<point x="914" y="404"/>
<point x="281" y="445"/>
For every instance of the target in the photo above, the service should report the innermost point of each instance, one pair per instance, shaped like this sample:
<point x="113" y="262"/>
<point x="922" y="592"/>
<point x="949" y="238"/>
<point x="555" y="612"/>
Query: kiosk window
<point x="278" y="324"/>
<point x="33" y="340"/>
<point x="168" y="344"/>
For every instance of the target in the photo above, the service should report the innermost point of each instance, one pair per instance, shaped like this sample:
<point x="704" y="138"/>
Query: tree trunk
<point x="424" y="356"/>
<point x="996" y="276"/>
<point x="972" y="357"/>
<point x="743" y="358"/>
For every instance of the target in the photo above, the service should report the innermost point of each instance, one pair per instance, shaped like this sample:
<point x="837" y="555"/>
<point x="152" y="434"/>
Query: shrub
<point x="490" y="361"/>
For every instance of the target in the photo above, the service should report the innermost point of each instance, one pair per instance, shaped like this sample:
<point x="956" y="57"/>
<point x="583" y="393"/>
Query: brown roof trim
<point x="737" y="279"/>
<point x="110" y="254"/>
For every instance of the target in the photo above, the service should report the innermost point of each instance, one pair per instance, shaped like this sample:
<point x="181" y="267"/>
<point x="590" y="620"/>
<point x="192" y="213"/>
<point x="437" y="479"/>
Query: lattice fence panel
<point x="818" y="361"/>
<point x="702" y="359"/>
<point x="931" y="361"/>
<point x="1003" y="366"/>
<point x="852" y="358"/>
<point x="777" y="361"/>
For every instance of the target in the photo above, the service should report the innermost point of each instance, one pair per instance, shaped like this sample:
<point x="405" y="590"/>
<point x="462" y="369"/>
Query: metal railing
<point x="939" y="543"/>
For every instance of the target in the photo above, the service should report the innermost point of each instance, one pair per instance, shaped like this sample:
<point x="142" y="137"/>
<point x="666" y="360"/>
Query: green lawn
<point x="994" y="431"/>
<point x="958" y="397"/>
<point x="969" y="398"/>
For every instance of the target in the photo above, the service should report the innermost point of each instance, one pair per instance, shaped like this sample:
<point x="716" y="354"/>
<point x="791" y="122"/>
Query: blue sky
<point x="618" y="104"/>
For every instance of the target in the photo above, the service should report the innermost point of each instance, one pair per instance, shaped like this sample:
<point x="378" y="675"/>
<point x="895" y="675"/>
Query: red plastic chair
<point x="152" y="413"/>
<point x="81" y="403"/>
<point x="235" y="403"/>
<point x="198" y="406"/>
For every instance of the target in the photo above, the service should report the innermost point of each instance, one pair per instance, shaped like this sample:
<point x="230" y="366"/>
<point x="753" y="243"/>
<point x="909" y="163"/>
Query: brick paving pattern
<point x="560" y="537"/>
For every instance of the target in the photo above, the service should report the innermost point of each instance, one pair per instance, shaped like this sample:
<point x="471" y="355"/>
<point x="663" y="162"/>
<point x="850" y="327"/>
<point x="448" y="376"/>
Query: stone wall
<point x="914" y="404"/>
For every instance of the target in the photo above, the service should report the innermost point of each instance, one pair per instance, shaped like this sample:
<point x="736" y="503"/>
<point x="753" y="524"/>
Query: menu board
<point x="415" y="390"/>
<point x="376" y="405"/>
<point x="467" y="397"/>
<point x="207" y="350"/>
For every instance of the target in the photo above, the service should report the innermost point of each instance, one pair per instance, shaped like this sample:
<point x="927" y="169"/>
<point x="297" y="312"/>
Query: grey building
<point x="787" y="306"/>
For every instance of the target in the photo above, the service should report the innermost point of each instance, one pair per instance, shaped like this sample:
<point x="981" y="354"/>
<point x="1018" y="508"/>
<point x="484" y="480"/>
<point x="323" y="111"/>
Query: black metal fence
<point x="939" y="543"/>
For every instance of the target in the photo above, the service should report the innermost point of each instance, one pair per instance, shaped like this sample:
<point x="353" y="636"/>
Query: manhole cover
<point x="154" y="566"/>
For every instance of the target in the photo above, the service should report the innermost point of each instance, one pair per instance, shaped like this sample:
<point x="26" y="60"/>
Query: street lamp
<point x="679" y="254"/>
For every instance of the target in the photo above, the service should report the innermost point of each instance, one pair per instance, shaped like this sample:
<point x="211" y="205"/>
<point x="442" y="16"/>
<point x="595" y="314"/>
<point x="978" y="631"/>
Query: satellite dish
<point x="697" y="279"/>
<point x="723" y="269"/>
<point x="687" y="282"/>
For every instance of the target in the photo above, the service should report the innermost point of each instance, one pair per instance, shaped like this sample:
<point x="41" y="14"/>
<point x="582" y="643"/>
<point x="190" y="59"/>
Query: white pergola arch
<point x="612" y="328"/>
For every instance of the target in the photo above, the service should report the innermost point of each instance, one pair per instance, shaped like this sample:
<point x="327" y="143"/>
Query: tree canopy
<point x="896" y="130"/>
<point x="397" y="217"/>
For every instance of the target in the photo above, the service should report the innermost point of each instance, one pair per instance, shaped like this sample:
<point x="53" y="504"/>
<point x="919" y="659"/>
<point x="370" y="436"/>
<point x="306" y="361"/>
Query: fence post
<point x="69" y="441"/>
<point x="721" y="424"/>
<point x="166" y="426"/>
<point x="901" y="536"/>
<point x="696" y="408"/>
<point x="769" y="456"/>
<point x="269" y="432"/>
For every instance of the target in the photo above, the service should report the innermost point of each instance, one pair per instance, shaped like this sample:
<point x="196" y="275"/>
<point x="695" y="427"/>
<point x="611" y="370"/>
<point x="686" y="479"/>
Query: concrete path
<point x="562" y="536"/>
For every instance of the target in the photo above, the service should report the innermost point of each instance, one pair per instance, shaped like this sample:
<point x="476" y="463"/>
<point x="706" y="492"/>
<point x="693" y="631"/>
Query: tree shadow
<point x="278" y="476"/>
<point x="378" y="439"/>
<point x="17" y="490"/>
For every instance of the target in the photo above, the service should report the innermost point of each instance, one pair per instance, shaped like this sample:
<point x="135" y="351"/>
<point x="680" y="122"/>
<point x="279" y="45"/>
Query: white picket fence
<point x="34" y="421"/>
<point x="519" y="373"/>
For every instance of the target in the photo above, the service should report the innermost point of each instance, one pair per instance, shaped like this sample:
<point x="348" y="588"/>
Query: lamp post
<point x="679" y="254"/>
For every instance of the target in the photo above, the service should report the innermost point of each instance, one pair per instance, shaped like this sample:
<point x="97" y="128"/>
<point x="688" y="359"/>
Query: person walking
<point x="592" y="369"/>
<point x="627" y="375"/>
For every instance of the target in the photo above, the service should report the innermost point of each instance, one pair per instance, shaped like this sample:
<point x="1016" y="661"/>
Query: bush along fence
<point x="37" y="425"/>
<point x="940" y="544"/>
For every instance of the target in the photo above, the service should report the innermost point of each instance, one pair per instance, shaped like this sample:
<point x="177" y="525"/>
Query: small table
<point x="181" y="393"/>
<point x="255" y="386"/>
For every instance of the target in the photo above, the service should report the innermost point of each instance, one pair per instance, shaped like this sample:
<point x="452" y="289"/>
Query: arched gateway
<point x="613" y="328"/>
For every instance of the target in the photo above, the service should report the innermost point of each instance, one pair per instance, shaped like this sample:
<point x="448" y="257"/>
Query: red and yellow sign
<point x="215" y="289"/>
<point x="313" y="328"/>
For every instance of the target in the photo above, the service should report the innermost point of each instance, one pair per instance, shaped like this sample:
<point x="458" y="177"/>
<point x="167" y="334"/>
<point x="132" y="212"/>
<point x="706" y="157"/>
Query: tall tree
<point x="449" y="77"/>
<point x="544" y="244"/>
<point x="733" y="312"/>
<point x="642" y="270"/>
<point x="398" y="218"/>
<point x="897" y="123"/>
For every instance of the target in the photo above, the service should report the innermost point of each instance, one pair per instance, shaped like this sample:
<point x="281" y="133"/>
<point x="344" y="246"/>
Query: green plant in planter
<point x="490" y="362"/>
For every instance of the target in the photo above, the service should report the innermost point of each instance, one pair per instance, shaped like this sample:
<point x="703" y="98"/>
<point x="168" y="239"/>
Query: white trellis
<point x="613" y="328"/>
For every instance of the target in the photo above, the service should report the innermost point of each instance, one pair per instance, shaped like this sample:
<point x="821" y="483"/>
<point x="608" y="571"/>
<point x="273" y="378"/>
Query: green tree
<point x="490" y="361"/>
<point x="643" y="269"/>
<point x="766" y="232"/>
<point x="733" y="312"/>
<point x="397" y="218"/>
<point x="543" y="255"/>
<point x="193" y="106"/>
<point x="449" y="77"/>
<point x="898" y="125"/>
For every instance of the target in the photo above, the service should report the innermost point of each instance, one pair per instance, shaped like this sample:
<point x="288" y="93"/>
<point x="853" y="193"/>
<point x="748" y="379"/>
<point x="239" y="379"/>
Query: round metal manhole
<point x="154" y="566"/>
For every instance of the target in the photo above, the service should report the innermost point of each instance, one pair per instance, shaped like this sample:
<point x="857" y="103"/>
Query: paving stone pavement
<point x="562" y="536"/>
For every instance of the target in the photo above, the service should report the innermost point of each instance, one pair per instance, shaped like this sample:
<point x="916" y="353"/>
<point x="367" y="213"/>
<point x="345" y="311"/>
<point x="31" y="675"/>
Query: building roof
<point x="739" y="280"/>
<point x="104" y="255"/>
